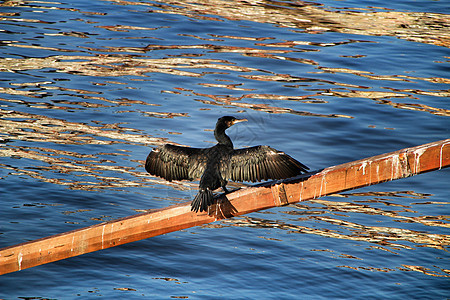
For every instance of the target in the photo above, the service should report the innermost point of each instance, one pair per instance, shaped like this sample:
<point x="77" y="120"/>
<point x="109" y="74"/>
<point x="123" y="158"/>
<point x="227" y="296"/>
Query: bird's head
<point x="229" y="121"/>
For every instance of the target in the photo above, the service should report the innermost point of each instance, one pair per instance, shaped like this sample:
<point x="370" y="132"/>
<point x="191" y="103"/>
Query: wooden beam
<point x="364" y="172"/>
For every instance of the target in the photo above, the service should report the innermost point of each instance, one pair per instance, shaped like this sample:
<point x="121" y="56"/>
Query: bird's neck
<point x="222" y="137"/>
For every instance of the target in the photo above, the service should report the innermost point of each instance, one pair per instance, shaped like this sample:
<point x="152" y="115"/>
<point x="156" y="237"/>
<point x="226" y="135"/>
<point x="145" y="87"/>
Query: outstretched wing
<point x="260" y="163"/>
<point x="176" y="163"/>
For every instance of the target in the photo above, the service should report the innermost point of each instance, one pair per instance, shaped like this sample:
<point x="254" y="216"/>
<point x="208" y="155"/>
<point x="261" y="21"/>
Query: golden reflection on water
<point x="389" y="239"/>
<point x="136" y="65"/>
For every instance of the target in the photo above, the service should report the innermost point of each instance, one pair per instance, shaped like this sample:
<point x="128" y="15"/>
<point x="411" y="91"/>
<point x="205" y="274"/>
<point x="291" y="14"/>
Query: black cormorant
<point x="215" y="165"/>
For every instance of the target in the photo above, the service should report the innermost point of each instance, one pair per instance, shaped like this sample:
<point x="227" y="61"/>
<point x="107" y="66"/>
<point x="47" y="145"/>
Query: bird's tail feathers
<point x="202" y="200"/>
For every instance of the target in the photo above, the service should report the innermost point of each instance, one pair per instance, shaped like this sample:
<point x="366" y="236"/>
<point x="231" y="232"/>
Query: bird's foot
<point x="227" y="191"/>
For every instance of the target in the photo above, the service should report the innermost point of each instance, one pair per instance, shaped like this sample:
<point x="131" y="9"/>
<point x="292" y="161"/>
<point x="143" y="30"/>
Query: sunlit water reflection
<point x="88" y="88"/>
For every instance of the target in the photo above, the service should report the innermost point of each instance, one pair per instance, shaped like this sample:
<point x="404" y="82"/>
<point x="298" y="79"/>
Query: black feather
<point x="215" y="165"/>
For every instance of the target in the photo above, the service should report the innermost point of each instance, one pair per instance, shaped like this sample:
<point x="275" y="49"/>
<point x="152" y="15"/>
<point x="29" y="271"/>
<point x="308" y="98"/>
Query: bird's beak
<point x="239" y="121"/>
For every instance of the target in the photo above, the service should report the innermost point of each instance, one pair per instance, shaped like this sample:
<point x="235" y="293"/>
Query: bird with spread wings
<point x="220" y="163"/>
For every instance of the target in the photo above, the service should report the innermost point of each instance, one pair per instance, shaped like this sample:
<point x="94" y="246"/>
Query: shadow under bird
<point x="217" y="164"/>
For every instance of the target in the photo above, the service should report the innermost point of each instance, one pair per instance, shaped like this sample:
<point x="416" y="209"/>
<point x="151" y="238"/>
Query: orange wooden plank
<point x="381" y="168"/>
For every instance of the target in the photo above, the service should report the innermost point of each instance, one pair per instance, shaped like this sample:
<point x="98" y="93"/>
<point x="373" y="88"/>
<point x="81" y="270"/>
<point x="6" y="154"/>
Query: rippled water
<point x="88" y="88"/>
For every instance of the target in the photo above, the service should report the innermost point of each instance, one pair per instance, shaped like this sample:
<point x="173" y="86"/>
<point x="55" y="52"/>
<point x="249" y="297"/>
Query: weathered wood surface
<point x="373" y="170"/>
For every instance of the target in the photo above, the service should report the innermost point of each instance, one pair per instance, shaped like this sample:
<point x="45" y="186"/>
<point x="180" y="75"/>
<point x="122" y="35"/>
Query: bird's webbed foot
<point x="224" y="188"/>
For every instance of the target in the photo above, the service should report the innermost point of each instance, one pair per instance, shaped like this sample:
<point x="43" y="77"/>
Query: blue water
<point x="87" y="89"/>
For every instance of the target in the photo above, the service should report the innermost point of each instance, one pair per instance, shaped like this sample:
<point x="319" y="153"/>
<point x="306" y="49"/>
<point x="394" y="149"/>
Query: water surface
<point x="87" y="89"/>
